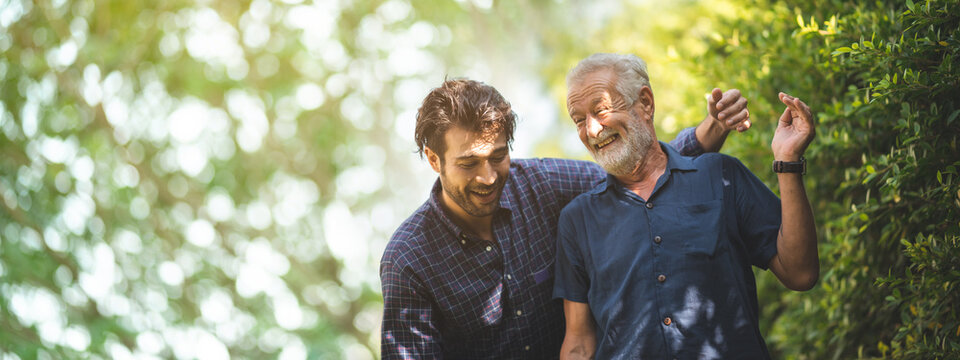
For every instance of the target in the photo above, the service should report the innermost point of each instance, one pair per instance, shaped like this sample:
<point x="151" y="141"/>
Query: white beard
<point x="626" y="156"/>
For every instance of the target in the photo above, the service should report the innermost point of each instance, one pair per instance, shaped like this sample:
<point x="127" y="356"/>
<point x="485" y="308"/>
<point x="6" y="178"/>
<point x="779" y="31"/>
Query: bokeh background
<point x="217" y="179"/>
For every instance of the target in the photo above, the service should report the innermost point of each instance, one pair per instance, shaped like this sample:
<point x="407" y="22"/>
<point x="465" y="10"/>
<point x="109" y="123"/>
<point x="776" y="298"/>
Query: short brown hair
<point x="468" y="104"/>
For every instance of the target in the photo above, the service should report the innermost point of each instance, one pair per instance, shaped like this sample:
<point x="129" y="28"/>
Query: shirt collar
<point x="436" y="203"/>
<point x="675" y="161"/>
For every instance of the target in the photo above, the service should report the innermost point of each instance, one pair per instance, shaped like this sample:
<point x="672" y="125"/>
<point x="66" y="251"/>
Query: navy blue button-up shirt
<point x="447" y="294"/>
<point x="670" y="276"/>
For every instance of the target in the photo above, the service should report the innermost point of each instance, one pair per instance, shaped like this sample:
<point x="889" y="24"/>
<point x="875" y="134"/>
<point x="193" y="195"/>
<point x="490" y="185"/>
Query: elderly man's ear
<point x="645" y="104"/>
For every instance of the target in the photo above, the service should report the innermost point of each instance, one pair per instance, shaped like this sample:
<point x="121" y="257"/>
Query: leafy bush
<point x="884" y="79"/>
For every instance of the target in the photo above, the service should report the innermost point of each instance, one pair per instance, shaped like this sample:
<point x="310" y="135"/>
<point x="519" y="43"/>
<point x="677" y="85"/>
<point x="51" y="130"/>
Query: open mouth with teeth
<point x="606" y="141"/>
<point x="485" y="196"/>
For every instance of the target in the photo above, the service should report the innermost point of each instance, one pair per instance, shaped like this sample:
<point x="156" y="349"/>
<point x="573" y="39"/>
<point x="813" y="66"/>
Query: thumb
<point x="712" y="101"/>
<point x="786" y="119"/>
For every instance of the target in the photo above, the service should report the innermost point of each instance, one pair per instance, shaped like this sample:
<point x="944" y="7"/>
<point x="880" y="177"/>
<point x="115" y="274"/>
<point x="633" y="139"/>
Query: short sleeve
<point x="758" y="211"/>
<point x="571" y="280"/>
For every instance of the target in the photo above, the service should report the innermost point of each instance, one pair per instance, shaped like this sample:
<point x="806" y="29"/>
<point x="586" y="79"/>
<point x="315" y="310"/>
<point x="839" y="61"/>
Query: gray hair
<point x="631" y="72"/>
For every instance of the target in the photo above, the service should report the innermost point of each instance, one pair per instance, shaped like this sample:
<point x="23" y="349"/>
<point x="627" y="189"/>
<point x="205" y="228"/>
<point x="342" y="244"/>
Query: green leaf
<point x="953" y="116"/>
<point x="910" y="5"/>
<point x="841" y="50"/>
<point x="939" y="177"/>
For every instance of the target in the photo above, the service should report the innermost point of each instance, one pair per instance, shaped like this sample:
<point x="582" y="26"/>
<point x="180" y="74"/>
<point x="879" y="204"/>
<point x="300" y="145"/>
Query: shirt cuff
<point x="686" y="142"/>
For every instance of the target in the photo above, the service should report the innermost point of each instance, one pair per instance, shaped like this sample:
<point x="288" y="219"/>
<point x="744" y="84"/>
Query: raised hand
<point x="795" y="130"/>
<point x="729" y="109"/>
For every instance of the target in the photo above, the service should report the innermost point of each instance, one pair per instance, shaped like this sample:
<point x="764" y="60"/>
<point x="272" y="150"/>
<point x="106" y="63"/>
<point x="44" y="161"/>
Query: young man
<point x="469" y="274"/>
<point x="655" y="262"/>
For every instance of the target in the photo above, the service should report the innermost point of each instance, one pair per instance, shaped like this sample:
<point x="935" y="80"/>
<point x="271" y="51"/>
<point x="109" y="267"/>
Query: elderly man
<point x="655" y="262"/>
<point x="469" y="274"/>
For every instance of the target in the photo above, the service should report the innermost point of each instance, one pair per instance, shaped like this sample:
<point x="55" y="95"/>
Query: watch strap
<point x="791" y="166"/>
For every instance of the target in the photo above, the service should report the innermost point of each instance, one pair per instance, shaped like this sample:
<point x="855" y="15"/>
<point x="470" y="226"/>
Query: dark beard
<point x="461" y="198"/>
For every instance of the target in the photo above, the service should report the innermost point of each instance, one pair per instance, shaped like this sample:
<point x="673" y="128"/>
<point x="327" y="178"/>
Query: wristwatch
<point x="791" y="166"/>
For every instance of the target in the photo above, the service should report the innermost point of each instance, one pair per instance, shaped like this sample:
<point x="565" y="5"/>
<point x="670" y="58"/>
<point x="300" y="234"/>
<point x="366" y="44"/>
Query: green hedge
<point x="884" y="80"/>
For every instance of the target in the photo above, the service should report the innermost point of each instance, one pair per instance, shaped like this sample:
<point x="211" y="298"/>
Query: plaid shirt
<point x="448" y="294"/>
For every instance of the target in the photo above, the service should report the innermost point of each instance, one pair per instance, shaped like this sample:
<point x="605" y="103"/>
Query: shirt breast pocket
<point x="699" y="227"/>
<point x="543" y="277"/>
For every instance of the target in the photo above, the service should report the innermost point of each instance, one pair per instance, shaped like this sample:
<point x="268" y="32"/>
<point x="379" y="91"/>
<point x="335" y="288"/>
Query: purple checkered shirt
<point x="448" y="294"/>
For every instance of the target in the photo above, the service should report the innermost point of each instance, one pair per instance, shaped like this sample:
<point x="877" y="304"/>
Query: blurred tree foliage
<point x="884" y="80"/>
<point x="162" y="166"/>
<point x="204" y="179"/>
<point x="217" y="178"/>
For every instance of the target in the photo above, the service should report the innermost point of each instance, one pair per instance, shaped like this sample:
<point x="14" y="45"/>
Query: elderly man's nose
<point x="594" y="127"/>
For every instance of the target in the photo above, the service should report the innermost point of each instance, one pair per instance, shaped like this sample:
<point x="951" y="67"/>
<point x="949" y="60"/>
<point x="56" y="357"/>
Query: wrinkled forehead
<point x="598" y="87"/>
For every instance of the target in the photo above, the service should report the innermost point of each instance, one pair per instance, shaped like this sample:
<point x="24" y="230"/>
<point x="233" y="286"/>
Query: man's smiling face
<point x="617" y="134"/>
<point x="473" y="171"/>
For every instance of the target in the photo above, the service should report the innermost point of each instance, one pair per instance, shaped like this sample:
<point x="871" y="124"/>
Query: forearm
<point x="580" y="340"/>
<point x="578" y="347"/>
<point x="796" y="264"/>
<point x="711" y="134"/>
<point x="797" y="243"/>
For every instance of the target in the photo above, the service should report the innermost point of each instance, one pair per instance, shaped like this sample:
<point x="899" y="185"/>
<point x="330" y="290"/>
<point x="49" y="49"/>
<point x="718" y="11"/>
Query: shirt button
<point x="667" y="321"/>
<point x="489" y="248"/>
<point x="649" y="205"/>
<point x="527" y="348"/>
<point x="662" y="278"/>
<point x="463" y="242"/>
<point x="519" y="312"/>
<point x="657" y="239"/>
<point x="509" y="277"/>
